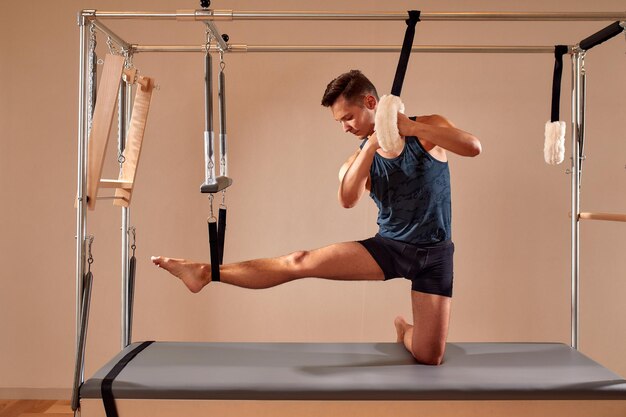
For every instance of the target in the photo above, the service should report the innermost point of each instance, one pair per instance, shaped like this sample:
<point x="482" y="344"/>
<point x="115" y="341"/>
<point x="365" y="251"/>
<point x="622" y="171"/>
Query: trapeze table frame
<point x="208" y="16"/>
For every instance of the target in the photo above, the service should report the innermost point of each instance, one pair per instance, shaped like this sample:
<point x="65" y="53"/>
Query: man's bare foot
<point x="194" y="275"/>
<point x="401" y="327"/>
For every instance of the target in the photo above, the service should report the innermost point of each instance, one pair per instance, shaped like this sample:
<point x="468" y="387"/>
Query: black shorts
<point x="428" y="267"/>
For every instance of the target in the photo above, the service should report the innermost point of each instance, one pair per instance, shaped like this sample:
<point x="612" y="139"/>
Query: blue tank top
<point x="412" y="192"/>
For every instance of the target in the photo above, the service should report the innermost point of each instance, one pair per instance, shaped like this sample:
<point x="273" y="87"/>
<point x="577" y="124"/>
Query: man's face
<point x="356" y="118"/>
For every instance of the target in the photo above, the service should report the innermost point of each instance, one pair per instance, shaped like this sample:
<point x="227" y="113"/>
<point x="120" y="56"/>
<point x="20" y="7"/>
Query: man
<point x="412" y="191"/>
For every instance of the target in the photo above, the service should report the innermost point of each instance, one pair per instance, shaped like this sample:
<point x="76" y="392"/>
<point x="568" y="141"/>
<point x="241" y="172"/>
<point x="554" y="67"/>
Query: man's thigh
<point x="431" y="317"/>
<point x="342" y="261"/>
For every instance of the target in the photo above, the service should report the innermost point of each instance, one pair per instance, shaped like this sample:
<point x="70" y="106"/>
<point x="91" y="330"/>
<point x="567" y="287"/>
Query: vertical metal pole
<point x="575" y="238"/>
<point x="222" y="113"/>
<point x="81" y="206"/>
<point x="126" y="214"/>
<point x="209" y="142"/>
<point x="121" y="131"/>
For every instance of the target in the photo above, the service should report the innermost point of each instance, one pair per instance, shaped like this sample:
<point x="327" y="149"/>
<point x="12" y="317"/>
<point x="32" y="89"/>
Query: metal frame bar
<point x="81" y="209"/>
<point x="125" y="110"/>
<point x="242" y="48"/>
<point x="578" y="117"/>
<point x="206" y="15"/>
<point x="85" y="16"/>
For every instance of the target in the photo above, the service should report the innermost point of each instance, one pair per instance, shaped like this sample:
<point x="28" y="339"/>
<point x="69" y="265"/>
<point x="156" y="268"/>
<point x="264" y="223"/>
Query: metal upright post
<point x="127" y="307"/>
<point x="575" y="225"/>
<point x="81" y="207"/>
<point x="121" y="131"/>
<point x="222" y="115"/>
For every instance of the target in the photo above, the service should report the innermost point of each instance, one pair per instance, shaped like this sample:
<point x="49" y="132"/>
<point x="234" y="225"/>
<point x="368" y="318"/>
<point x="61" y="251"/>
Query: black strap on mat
<point x="107" y="383"/>
<point x="221" y="233"/>
<point x="215" y="261"/>
<point x="407" y="45"/>
<point x="559" y="51"/>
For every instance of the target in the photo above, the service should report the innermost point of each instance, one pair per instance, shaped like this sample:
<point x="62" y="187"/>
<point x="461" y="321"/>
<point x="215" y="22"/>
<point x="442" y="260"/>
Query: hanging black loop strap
<point x="221" y="233"/>
<point x="559" y="51"/>
<point x="107" y="383"/>
<point x="132" y="267"/>
<point x="407" y="45"/>
<point x="215" y="259"/>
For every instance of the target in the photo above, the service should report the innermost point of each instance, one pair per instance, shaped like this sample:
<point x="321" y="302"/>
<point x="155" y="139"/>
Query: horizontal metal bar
<point x="439" y="16"/>
<point x="136" y="15"/>
<point x="351" y="15"/>
<point x="102" y="28"/>
<point x="350" y="48"/>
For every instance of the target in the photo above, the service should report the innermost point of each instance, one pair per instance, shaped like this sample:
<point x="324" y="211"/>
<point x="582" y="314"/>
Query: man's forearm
<point x="447" y="137"/>
<point x="354" y="181"/>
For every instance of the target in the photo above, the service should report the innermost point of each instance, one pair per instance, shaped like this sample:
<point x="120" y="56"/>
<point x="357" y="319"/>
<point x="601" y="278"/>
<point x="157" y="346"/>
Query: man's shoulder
<point x="434" y="119"/>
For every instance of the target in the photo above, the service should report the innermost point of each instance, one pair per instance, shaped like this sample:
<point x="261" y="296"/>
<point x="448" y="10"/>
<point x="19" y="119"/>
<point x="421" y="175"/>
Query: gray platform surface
<point x="358" y="371"/>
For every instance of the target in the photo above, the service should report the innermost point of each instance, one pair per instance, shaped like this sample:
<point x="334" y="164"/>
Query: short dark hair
<point x="352" y="85"/>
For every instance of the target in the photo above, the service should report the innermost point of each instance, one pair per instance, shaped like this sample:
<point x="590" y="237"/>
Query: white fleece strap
<point x="386" y="123"/>
<point x="554" y="146"/>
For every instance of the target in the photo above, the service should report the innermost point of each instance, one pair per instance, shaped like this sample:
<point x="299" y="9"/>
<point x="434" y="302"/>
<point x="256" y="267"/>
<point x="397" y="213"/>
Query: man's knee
<point x="297" y="260"/>
<point x="432" y="356"/>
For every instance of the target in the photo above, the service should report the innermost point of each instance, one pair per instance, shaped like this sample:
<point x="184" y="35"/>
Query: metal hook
<point x="211" y="217"/>
<point x="128" y="58"/>
<point x="110" y="45"/>
<point x="209" y="36"/>
<point x="222" y="63"/>
<point x="133" y="231"/>
<point x="90" y="239"/>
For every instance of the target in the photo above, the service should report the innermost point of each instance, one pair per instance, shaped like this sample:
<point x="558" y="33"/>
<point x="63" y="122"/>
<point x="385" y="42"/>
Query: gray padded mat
<point x="358" y="371"/>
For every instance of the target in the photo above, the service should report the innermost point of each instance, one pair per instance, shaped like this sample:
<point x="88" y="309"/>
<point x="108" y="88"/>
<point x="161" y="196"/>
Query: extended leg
<point x="341" y="261"/>
<point x="426" y="338"/>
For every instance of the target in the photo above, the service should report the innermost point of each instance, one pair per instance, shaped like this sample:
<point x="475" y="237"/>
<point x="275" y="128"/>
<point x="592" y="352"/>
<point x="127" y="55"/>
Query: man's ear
<point x="370" y="102"/>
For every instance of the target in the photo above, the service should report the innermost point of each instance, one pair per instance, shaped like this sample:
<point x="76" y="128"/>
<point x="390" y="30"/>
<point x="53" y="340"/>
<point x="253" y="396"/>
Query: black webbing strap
<point x="221" y="233"/>
<point x="559" y="51"/>
<point x="215" y="261"/>
<point x="407" y="45"/>
<point x="132" y="267"/>
<point x="107" y="383"/>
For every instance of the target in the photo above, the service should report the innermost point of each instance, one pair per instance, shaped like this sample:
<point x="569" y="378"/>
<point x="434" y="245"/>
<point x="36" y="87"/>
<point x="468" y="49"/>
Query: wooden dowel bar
<point x="612" y="217"/>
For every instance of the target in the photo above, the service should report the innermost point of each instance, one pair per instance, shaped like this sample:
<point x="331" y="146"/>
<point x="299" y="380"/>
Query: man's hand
<point x="372" y="142"/>
<point x="405" y="125"/>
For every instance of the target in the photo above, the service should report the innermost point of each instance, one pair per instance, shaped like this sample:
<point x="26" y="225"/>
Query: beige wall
<point x="510" y="209"/>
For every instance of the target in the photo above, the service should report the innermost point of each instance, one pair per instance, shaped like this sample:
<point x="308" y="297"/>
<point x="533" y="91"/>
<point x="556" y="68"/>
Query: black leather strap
<point x="107" y="382"/>
<point x="213" y="246"/>
<point x="132" y="267"/>
<point x="221" y="233"/>
<point x="559" y="51"/>
<point x="407" y="45"/>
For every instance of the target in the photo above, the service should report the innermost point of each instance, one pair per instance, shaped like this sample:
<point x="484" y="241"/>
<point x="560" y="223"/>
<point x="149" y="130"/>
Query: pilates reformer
<point x="145" y="378"/>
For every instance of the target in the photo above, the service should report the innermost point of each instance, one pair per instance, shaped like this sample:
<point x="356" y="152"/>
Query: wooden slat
<point x="116" y="184"/>
<point x="101" y="125"/>
<point x="134" y="141"/>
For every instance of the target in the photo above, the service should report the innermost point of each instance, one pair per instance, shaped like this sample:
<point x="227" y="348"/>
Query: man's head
<point x="352" y="98"/>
